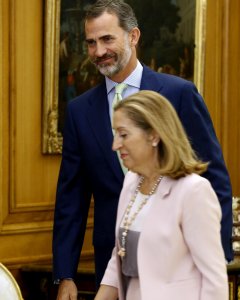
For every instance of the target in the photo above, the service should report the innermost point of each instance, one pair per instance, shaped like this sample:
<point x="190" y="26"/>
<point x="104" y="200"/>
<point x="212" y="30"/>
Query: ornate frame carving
<point x="51" y="137"/>
<point x="200" y="39"/>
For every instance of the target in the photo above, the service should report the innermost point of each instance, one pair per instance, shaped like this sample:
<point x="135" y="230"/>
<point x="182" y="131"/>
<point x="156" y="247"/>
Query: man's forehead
<point x="105" y="20"/>
<point x="97" y="32"/>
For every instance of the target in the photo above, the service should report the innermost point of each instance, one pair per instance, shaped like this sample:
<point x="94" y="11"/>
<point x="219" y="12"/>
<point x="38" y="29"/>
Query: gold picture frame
<point x="52" y="137"/>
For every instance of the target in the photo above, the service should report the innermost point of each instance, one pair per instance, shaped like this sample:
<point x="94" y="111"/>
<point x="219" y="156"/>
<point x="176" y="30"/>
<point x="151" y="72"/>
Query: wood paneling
<point x="27" y="177"/>
<point x="222" y="74"/>
<point x="212" y="76"/>
<point x="231" y="92"/>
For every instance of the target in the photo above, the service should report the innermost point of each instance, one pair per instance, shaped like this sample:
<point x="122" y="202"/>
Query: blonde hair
<point x="151" y="111"/>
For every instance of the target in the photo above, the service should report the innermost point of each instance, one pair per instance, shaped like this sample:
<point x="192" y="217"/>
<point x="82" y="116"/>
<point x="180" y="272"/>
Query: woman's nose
<point x="116" y="143"/>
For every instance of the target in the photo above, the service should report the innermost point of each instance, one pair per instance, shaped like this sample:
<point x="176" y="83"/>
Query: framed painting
<point x="172" y="41"/>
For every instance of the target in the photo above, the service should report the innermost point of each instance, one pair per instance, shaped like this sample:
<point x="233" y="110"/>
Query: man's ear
<point x="134" y="36"/>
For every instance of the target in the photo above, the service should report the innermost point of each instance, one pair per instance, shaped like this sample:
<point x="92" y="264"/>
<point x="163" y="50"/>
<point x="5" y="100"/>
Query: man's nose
<point x="100" y="50"/>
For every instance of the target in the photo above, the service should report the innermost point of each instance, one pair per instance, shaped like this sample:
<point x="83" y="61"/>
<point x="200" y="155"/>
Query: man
<point x="89" y="166"/>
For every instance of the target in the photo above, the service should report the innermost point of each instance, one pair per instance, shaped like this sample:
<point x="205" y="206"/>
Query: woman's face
<point x="135" y="146"/>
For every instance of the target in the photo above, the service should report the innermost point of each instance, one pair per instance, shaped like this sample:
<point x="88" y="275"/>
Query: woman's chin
<point x="130" y="168"/>
<point x="126" y="166"/>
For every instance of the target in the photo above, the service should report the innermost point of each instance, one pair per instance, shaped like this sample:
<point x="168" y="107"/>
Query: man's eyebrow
<point x="100" y="38"/>
<point x="107" y="36"/>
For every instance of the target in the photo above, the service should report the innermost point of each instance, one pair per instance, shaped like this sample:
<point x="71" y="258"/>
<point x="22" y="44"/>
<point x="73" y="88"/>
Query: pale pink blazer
<point x="179" y="252"/>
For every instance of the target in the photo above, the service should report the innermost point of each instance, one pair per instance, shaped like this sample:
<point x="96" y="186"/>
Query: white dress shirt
<point x="133" y="81"/>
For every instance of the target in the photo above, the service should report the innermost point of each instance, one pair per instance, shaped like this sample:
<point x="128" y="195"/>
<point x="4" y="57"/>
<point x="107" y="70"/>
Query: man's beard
<point x="121" y="60"/>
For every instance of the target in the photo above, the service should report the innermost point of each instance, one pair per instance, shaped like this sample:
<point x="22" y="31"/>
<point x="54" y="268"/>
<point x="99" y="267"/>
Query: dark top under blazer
<point x="89" y="166"/>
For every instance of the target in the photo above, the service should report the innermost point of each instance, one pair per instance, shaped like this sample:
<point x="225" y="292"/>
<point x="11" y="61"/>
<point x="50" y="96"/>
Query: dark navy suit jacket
<point x="90" y="167"/>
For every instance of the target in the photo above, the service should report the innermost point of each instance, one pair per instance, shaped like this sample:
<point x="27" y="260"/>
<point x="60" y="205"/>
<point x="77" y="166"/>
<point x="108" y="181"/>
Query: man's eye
<point x="90" y="42"/>
<point x="108" y="39"/>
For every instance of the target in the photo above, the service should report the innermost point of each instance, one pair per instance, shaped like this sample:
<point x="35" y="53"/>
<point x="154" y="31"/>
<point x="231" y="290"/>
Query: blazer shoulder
<point x="185" y="185"/>
<point x="165" y="78"/>
<point x="193" y="180"/>
<point x="88" y="96"/>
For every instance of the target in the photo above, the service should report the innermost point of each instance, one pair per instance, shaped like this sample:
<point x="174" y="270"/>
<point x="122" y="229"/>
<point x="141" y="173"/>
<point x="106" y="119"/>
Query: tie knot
<point x="118" y="93"/>
<point x="119" y="88"/>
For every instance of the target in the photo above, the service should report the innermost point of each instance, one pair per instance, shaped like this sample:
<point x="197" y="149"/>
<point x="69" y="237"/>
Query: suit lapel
<point x="150" y="81"/>
<point x="99" y="120"/>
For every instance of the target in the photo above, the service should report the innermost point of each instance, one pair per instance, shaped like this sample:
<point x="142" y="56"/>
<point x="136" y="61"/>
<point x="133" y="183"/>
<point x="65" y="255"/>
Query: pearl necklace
<point x="129" y="220"/>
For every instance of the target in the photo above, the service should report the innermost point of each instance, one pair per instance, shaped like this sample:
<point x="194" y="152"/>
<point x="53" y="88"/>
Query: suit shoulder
<point x="172" y="80"/>
<point x="89" y="95"/>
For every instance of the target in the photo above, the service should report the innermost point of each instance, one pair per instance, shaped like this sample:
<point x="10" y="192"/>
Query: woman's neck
<point x="148" y="183"/>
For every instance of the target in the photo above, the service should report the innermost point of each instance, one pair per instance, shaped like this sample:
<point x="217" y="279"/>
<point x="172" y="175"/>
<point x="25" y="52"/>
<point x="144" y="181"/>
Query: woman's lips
<point x="123" y="155"/>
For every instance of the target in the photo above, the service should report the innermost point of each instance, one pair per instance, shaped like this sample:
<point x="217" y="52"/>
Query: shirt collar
<point x="134" y="79"/>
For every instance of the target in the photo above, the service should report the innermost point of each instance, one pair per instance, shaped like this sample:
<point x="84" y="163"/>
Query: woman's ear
<point x="154" y="139"/>
<point x="155" y="143"/>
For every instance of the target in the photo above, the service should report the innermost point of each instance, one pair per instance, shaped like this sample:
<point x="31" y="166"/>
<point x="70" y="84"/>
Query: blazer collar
<point x="163" y="190"/>
<point x="99" y="119"/>
<point x="164" y="187"/>
<point x="150" y="80"/>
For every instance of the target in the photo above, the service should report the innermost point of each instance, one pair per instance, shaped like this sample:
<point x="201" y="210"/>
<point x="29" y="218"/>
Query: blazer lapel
<point x="99" y="120"/>
<point x="131" y="181"/>
<point x="150" y="81"/>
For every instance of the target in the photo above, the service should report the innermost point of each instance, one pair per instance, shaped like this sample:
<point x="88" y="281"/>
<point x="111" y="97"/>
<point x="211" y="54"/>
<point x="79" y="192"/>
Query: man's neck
<point x="123" y="74"/>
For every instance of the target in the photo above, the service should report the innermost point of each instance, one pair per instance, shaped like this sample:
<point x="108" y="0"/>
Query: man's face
<point x="108" y="44"/>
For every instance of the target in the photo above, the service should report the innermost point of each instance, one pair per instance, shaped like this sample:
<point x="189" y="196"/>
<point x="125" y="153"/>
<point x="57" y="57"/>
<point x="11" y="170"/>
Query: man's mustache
<point x="102" y="58"/>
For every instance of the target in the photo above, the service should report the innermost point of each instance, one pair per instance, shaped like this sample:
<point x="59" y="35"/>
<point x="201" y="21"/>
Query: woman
<point x="168" y="243"/>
